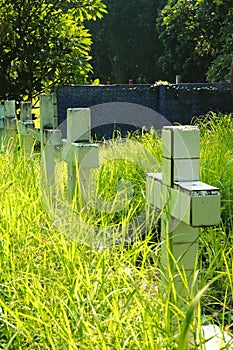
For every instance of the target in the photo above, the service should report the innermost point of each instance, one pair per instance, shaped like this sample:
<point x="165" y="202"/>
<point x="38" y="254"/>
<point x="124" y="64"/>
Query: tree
<point x="197" y="37"/>
<point x="43" y="44"/>
<point x="125" y="42"/>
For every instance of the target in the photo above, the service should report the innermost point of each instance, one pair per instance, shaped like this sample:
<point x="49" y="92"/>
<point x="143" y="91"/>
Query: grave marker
<point x="10" y="120"/>
<point x="79" y="151"/>
<point x="26" y="128"/>
<point x="50" y="137"/>
<point x="187" y="204"/>
<point x="2" y="124"/>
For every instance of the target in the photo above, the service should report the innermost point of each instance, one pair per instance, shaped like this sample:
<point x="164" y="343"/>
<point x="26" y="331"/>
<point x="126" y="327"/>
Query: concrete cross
<point x="2" y="124"/>
<point x="186" y="204"/>
<point x="79" y="152"/>
<point x="50" y="137"/>
<point x="26" y="128"/>
<point x="10" y="119"/>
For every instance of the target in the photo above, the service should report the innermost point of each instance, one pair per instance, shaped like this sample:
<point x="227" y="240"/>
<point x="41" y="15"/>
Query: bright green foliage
<point x="123" y="166"/>
<point x="198" y="40"/>
<point x="43" y="44"/>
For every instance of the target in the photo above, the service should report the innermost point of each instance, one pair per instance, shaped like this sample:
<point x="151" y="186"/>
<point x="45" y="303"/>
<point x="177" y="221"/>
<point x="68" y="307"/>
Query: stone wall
<point x="130" y="107"/>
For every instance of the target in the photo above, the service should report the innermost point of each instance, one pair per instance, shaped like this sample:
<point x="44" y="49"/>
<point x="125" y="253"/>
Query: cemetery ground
<point x="58" y="292"/>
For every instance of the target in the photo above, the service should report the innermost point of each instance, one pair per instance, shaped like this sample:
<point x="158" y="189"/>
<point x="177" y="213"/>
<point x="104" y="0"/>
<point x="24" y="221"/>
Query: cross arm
<point x="85" y="154"/>
<point x="194" y="203"/>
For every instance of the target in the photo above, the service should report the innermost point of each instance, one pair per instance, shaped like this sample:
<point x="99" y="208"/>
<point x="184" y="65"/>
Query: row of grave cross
<point x="78" y="151"/>
<point x="186" y="202"/>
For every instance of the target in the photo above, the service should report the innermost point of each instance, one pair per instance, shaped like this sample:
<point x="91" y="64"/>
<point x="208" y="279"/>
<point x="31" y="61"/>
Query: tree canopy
<point x="46" y="43"/>
<point x="156" y="40"/>
<point x="198" y="39"/>
<point x="43" y="44"/>
<point x="125" y="42"/>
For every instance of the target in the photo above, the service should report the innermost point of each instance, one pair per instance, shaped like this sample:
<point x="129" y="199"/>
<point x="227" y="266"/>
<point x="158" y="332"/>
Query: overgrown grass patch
<point x="59" y="293"/>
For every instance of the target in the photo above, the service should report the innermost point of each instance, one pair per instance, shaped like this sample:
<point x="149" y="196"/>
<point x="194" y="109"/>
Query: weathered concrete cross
<point x="186" y="202"/>
<point x="26" y="128"/>
<point x="50" y="138"/>
<point x="10" y="120"/>
<point x="79" y="152"/>
<point x="2" y="124"/>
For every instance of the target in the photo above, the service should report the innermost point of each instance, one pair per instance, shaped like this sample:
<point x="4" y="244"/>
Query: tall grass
<point x="59" y="292"/>
<point x="216" y="243"/>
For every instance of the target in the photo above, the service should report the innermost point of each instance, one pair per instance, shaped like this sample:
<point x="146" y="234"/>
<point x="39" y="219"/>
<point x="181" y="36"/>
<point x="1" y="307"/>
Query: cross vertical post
<point x="186" y="204"/>
<point x="50" y="138"/>
<point x="79" y="152"/>
<point x="180" y="162"/>
<point x="2" y="124"/>
<point x="26" y="126"/>
<point x="10" y="120"/>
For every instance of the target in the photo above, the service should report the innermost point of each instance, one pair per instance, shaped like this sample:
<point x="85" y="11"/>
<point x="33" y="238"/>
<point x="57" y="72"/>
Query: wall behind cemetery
<point x="129" y="107"/>
<point x="180" y="102"/>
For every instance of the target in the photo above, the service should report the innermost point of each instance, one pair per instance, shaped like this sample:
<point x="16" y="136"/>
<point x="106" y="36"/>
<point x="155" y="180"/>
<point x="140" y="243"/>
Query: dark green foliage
<point x="197" y="37"/>
<point x="125" y="42"/>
